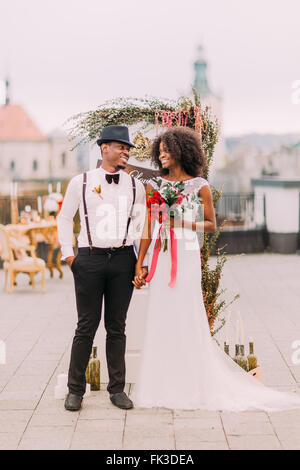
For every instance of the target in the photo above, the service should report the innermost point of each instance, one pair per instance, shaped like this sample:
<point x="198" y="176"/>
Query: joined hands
<point x="140" y="277"/>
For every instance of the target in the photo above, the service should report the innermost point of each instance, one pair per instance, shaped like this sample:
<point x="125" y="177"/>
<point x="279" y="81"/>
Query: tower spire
<point x="200" y="81"/>
<point x="7" y="95"/>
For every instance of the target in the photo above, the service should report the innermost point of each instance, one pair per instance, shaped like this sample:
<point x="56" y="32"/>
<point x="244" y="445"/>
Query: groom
<point x="111" y="205"/>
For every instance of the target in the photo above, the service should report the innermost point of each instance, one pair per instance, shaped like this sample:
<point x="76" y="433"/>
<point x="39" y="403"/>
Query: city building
<point x="256" y="156"/>
<point x="30" y="157"/>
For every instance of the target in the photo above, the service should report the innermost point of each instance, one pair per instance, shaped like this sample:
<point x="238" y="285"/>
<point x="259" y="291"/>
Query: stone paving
<point x="38" y="328"/>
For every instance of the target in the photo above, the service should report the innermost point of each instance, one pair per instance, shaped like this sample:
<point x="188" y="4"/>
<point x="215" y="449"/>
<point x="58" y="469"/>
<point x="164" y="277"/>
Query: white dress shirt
<point x="107" y="213"/>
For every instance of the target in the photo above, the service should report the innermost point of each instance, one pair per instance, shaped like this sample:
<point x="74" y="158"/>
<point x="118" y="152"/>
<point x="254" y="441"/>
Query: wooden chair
<point x="28" y="264"/>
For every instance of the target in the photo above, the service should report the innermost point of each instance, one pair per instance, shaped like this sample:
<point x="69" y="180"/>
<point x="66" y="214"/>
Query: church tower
<point x="7" y="95"/>
<point x="200" y="80"/>
<point x="208" y="98"/>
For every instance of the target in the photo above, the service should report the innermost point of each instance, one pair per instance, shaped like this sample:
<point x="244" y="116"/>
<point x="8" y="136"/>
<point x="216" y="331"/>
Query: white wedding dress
<point x="181" y="366"/>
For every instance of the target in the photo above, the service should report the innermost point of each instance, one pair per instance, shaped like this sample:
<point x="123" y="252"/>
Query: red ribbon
<point x="156" y="251"/>
<point x="154" y="257"/>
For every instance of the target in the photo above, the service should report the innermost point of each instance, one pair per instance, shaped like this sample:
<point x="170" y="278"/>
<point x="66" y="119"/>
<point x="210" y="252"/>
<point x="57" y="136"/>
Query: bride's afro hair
<point x="184" y="145"/>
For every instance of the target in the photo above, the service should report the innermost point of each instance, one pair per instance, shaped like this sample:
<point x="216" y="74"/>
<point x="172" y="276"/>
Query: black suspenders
<point x="131" y="210"/>
<point x="85" y="211"/>
<point x="86" y="214"/>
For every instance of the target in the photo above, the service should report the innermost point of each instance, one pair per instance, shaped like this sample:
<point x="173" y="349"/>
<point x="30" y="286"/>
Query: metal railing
<point x="239" y="211"/>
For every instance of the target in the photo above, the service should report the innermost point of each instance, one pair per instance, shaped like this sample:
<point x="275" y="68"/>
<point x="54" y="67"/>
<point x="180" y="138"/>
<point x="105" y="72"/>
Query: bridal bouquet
<point x="163" y="203"/>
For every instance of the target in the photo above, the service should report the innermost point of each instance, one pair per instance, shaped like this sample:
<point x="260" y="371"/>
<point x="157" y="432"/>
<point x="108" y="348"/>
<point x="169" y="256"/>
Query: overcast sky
<point x="68" y="56"/>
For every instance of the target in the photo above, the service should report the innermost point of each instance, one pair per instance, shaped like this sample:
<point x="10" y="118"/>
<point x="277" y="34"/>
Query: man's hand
<point x="139" y="278"/>
<point x="70" y="260"/>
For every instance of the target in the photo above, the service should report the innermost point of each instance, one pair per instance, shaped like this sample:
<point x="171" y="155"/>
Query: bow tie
<point x="114" y="178"/>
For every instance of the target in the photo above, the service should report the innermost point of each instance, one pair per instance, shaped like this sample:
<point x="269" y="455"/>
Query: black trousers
<point x="99" y="274"/>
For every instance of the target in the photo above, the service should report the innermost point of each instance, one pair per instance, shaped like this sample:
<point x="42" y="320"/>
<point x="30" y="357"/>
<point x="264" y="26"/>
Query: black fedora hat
<point x="115" y="134"/>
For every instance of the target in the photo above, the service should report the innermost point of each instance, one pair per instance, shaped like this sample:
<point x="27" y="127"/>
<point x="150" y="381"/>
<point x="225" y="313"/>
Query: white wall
<point x="58" y="146"/>
<point x="48" y="155"/>
<point x="282" y="208"/>
<point x="23" y="154"/>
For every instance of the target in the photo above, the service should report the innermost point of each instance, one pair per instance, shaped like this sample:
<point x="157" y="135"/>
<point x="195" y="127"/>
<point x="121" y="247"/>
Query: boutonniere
<point x="98" y="190"/>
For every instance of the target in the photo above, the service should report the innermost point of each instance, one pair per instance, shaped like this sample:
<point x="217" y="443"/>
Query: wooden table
<point x="40" y="231"/>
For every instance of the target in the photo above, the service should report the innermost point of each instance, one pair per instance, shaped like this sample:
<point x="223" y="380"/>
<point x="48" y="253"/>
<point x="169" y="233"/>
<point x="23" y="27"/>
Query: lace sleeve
<point x="196" y="184"/>
<point x="202" y="182"/>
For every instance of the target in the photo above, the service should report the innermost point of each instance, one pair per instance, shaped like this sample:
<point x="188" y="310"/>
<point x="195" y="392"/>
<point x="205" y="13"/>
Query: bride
<point x="181" y="366"/>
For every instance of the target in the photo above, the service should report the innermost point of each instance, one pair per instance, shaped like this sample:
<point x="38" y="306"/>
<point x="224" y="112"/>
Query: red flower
<point x="152" y="202"/>
<point x="155" y="199"/>
<point x="157" y="206"/>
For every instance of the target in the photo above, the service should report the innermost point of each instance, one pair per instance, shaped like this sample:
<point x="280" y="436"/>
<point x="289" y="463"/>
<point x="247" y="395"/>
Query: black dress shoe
<point x="73" y="402"/>
<point x="121" y="400"/>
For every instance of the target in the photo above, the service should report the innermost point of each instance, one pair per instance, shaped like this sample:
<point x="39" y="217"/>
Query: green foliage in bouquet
<point x="143" y="112"/>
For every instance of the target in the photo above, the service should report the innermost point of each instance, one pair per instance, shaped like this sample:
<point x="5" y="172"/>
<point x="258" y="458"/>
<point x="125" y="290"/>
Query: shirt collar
<point x="108" y="172"/>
